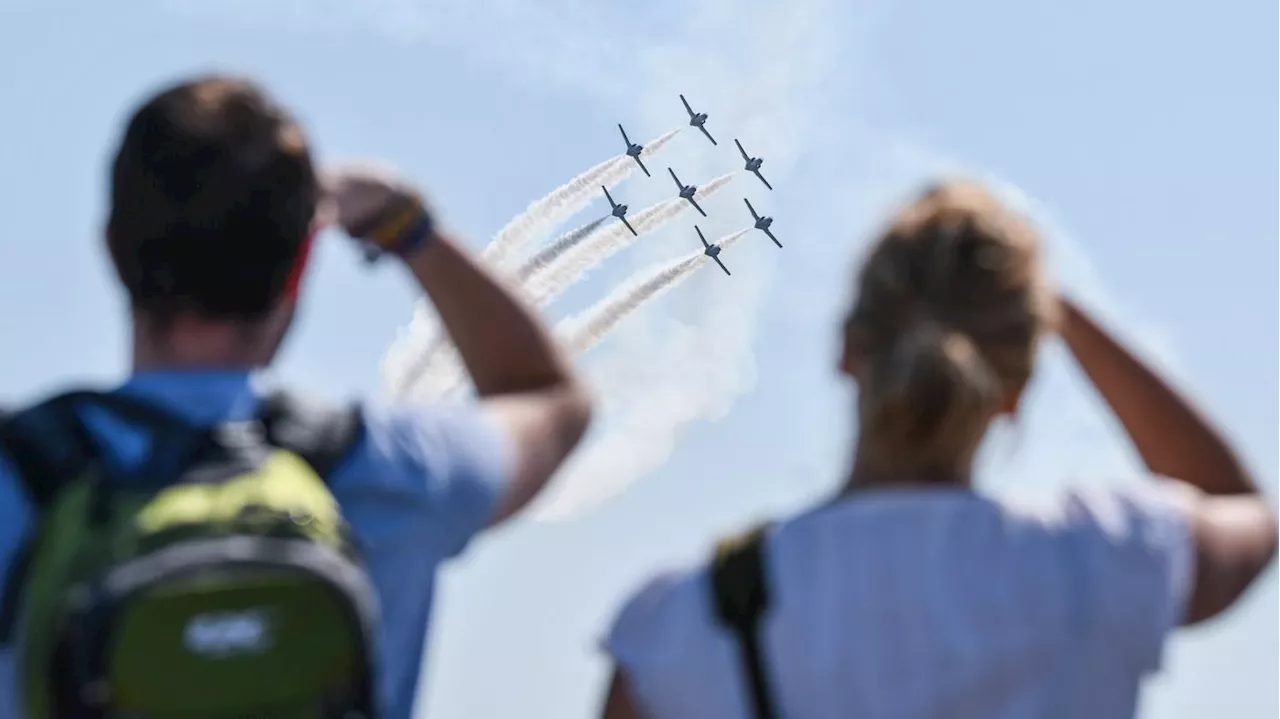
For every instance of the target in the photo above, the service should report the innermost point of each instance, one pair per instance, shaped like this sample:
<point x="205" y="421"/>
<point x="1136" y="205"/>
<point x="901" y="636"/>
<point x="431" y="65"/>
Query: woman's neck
<point x="867" y="473"/>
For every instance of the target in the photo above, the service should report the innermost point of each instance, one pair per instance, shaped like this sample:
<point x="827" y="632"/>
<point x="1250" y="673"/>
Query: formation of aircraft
<point x="634" y="150"/>
<point x="711" y="250"/>
<point x="753" y="163"/>
<point x="687" y="191"/>
<point x="762" y="223"/>
<point x="698" y="120"/>
<point x="618" y="211"/>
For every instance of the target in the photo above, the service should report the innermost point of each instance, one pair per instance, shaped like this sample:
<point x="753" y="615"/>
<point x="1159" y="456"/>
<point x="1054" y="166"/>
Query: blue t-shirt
<point x="420" y="484"/>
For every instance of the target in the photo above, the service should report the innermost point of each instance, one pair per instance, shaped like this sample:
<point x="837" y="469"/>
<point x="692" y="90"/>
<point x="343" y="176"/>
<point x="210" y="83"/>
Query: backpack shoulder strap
<point x="323" y="435"/>
<point x="741" y="595"/>
<point x="47" y="444"/>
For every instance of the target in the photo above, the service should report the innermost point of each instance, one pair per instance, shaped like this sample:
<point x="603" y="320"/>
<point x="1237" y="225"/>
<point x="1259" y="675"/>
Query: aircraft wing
<point x="726" y="269"/>
<point x="646" y="170"/>
<point x="770" y="234"/>
<point x="624" y="135"/>
<point x="709" y="137"/>
<point x="686" y="106"/>
<point x="633" y="230"/>
<point x="608" y="196"/>
<point x="766" y="182"/>
<point x="677" y="179"/>
<point x="702" y="237"/>
<point x="752" y="209"/>
<point x="695" y="206"/>
<point x="745" y="156"/>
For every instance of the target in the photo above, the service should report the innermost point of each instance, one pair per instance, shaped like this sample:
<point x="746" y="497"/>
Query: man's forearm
<point x="503" y="343"/>
<point x="1170" y="435"/>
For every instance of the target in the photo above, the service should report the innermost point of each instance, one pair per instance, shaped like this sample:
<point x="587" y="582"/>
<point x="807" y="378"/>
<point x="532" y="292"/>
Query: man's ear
<point x="850" y="358"/>
<point x="111" y="255"/>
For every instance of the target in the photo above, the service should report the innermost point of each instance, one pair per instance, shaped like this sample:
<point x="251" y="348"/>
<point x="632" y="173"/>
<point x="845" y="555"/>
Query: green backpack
<point x="218" y="580"/>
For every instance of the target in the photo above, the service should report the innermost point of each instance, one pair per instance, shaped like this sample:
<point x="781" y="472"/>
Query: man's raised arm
<point x="525" y="382"/>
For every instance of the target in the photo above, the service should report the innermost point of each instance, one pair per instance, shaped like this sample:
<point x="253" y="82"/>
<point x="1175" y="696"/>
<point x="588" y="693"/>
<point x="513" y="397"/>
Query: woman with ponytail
<point x="908" y="595"/>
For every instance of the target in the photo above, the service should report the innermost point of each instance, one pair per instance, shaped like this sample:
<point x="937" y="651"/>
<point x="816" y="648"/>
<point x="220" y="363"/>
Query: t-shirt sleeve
<point x="434" y="471"/>
<point x="1137" y="552"/>
<point x="15" y="522"/>
<point x="666" y="642"/>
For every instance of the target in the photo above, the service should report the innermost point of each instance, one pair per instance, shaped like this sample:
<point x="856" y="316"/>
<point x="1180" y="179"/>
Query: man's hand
<point x="373" y="203"/>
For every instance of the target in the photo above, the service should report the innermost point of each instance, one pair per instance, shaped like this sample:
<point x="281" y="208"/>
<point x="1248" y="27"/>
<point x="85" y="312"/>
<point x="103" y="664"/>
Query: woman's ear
<point x="1011" y="399"/>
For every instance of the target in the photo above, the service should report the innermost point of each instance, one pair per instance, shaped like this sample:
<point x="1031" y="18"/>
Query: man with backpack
<point x="196" y="544"/>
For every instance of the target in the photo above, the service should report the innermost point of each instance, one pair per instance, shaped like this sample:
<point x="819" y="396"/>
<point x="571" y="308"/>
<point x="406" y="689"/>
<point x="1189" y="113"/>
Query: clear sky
<point x="1142" y="129"/>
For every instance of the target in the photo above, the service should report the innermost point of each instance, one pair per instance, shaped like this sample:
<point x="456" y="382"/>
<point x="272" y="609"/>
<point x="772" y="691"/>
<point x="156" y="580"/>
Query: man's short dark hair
<point x="212" y="196"/>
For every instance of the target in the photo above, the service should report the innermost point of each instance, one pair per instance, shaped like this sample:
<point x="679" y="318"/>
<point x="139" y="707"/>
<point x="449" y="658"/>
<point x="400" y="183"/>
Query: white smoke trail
<point x="442" y="369"/>
<point x="563" y="202"/>
<point x="415" y="358"/>
<point x="548" y="284"/>
<point x="585" y="331"/>
<point x="552" y="252"/>
<point x="422" y="348"/>
<point x="416" y="342"/>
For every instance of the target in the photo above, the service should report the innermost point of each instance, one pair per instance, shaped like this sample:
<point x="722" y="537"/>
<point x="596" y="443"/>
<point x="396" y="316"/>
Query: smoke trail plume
<point x="420" y="348"/>
<point x="411" y="349"/>
<point x="657" y="144"/>
<point x="585" y="331"/>
<point x="428" y="355"/>
<point x="554" y="279"/>
<point x="563" y="202"/>
<point x="552" y="252"/>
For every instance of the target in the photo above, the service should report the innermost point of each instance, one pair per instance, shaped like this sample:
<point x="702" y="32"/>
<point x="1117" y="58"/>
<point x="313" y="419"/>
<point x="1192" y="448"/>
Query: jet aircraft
<point x="711" y="250"/>
<point x="687" y="191"/>
<point x="698" y="120"/>
<point x="634" y="150"/>
<point x="619" y="211"/>
<point x="762" y="223"/>
<point x="753" y="164"/>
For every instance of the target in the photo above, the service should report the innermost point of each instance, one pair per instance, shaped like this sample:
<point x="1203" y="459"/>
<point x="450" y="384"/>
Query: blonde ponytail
<point x="926" y="402"/>
<point x="951" y="302"/>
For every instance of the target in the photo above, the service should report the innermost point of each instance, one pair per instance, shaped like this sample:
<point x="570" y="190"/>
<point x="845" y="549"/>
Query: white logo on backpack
<point x="223" y="634"/>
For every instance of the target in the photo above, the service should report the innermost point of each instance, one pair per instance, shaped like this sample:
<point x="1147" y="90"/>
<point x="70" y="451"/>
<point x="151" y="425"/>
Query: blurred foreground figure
<point x="194" y="543"/>
<point x="908" y="595"/>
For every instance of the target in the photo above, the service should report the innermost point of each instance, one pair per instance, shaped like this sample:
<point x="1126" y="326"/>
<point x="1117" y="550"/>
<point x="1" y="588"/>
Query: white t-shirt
<point x="907" y="604"/>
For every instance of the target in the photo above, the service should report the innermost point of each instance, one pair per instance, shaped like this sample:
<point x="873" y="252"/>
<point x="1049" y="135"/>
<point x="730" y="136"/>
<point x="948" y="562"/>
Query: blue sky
<point x="1142" y="130"/>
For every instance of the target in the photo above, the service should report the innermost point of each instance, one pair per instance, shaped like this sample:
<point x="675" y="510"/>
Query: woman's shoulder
<point x="658" y="601"/>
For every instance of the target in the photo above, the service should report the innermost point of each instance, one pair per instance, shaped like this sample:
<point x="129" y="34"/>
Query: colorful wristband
<point x="415" y="236"/>
<point x="387" y="232"/>
<point x="401" y="233"/>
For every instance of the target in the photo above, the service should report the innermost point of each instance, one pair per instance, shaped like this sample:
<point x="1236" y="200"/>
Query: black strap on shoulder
<point x="741" y="598"/>
<point x="50" y="445"/>
<point x="47" y="444"/>
<point x="323" y="435"/>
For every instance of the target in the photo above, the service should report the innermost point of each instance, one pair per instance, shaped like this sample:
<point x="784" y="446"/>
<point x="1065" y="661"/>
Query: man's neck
<point x="203" y="348"/>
